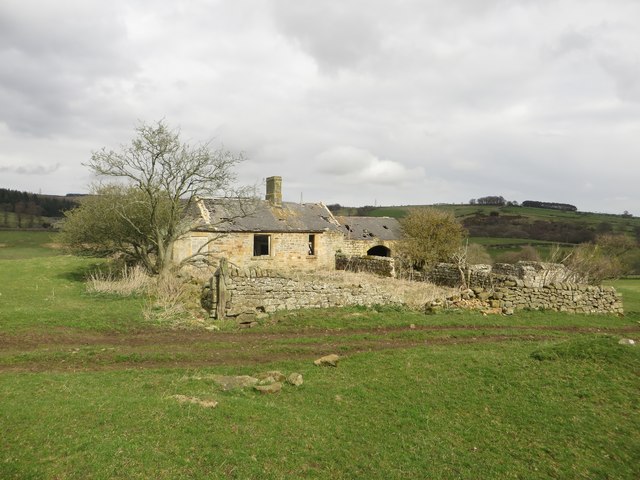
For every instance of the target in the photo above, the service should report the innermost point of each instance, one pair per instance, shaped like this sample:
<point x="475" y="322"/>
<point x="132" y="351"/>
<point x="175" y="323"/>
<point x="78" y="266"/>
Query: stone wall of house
<point x="251" y="292"/>
<point x="288" y="251"/>
<point x="383" y="266"/>
<point x="354" y="247"/>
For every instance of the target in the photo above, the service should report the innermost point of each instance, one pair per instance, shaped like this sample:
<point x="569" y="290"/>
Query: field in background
<point x="618" y="222"/>
<point x="577" y="224"/>
<point x="87" y="388"/>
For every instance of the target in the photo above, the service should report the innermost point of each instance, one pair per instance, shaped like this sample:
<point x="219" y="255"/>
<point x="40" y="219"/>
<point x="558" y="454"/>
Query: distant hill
<point x="521" y="222"/>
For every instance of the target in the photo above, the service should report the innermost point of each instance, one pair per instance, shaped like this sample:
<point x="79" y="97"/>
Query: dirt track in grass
<point x="72" y="350"/>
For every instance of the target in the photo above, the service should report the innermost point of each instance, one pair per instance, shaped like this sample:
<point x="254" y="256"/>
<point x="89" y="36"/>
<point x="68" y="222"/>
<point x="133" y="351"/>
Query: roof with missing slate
<point x="239" y="215"/>
<point x="368" y="228"/>
<point x="250" y="215"/>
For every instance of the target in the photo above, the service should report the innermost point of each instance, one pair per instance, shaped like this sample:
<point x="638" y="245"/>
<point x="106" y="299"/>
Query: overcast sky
<point x="354" y="102"/>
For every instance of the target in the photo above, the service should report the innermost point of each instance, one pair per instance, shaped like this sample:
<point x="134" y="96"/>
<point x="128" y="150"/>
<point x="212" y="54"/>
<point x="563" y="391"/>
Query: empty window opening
<point x="261" y="245"/>
<point x="379" y="251"/>
<point x="312" y="245"/>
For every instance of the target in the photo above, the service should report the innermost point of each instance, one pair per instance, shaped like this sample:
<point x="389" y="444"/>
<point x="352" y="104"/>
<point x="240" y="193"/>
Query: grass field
<point x="87" y="389"/>
<point x="26" y="244"/>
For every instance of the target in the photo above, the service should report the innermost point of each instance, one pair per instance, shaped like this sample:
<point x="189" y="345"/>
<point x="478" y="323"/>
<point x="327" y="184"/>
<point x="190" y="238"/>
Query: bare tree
<point x="155" y="183"/>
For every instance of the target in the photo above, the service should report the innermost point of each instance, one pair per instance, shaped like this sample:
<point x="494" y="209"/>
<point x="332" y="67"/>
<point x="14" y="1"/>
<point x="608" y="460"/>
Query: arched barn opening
<point x="379" y="251"/>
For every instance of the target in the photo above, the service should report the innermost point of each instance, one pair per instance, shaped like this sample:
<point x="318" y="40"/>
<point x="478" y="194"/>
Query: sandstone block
<point x="327" y="361"/>
<point x="295" y="379"/>
<point x="271" y="377"/>
<point x="267" y="389"/>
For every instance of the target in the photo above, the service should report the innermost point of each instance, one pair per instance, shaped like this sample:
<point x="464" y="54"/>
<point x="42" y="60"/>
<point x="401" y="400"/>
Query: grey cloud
<point x="522" y="98"/>
<point x="59" y="54"/>
<point x="355" y="165"/>
<point x="30" y="169"/>
<point x="625" y="73"/>
<point x="570" y="41"/>
<point x="333" y="33"/>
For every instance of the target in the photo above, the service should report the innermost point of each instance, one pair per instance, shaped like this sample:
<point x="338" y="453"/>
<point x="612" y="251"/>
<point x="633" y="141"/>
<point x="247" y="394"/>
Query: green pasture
<point x="22" y="244"/>
<point x="456" y="395"/>
<point x="523" y="410"/>
<point x="630" y="290"/>
<point x="41" y="289"/>
<point x="497" y="246"/>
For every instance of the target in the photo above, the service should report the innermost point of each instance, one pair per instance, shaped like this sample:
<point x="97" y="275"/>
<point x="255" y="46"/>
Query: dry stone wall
<point x="561" y="297"/>
<point x="248" y="294"/>
<point x="383" y="266"/>
<point x="521" y="274"/>
<point x="530" y="286"/>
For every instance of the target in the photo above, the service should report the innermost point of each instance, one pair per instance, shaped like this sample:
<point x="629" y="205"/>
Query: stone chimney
<point x="274" y="191"/>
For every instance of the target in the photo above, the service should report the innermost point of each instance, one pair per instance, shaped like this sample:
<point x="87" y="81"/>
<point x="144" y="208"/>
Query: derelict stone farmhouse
<point x="265" y="241"/>
<point x="276" y="236"/>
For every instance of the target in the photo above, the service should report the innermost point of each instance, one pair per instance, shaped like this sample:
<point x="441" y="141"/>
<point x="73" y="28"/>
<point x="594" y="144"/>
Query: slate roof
<point x="367" y="228"/>
<point x="236" y="215"/>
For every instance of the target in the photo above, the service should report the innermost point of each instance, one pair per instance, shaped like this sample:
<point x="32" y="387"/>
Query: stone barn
<point x="373" y="236"/>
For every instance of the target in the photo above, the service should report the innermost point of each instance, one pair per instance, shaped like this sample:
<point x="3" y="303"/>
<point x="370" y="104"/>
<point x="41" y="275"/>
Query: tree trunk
<point x="164" y="264"/>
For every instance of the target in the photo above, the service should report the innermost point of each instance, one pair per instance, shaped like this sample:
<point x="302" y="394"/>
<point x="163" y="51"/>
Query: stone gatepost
<point x="221" y="294"/>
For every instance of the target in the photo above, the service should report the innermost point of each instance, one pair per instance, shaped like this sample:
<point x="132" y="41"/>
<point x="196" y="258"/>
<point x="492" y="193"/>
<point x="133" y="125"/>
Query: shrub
<point x="527" y="254"/>
<point x="429" y="236"/>
<point x="610" y="256"/>
<point x="478" y="255"/>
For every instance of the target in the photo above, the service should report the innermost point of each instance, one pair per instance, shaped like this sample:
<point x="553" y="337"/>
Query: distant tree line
<point x="357" y="211"/>
<point x="500" y="201"/>
<point x="30" y="208"/>
<point x="550" y="205"/>
<point x="495" y="200"/>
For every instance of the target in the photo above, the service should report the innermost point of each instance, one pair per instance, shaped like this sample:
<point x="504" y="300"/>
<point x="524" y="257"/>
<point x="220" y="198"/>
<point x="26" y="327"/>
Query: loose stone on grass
<point x="271" y="388"/>
<point x="627" y="341"/>
<point x="271" y="377"/>
<point x="232" y="383"/>
<point x="295" y="379"/>
<point x="327" y="361"/>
